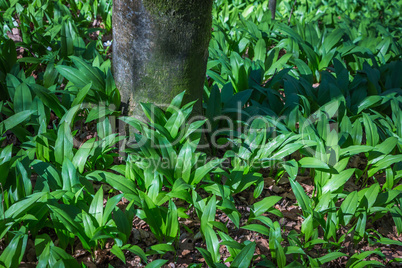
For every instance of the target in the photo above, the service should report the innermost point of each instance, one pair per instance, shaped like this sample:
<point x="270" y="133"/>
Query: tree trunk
<point x="160" y="48"/>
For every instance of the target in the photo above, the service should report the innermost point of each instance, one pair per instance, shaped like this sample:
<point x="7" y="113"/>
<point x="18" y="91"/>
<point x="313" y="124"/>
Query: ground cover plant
<point x="302" y="129"/>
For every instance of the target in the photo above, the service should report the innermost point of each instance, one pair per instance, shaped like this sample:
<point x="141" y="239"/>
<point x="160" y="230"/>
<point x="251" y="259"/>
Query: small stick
<point x="291" y="12"/>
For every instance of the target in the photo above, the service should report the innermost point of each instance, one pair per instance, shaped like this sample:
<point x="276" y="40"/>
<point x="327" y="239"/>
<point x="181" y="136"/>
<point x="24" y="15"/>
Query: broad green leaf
<point x="110" y="206"/>
<point x="172" y="223"/>
<point x="265" y="204"/>
<point x="257" y="228"/>
<point x="363" y="264"/>
<point x="260" y="50"/>
<point x="96" y="207"/>
<point x="21" y="207"/>
<point x="301" y="196"/>
<point x="162" y="248"/>
<point x="69" y="176"/>
<point x="49" y="99"/>
<point x="355" y="149"/>
<point x="22" y="98"/>
<point x="202" y="171"/>
<point x="337" y="180"/>
<point x="14" y="120"/>
<point x="209" y="212"/>
<point x="116" y="181"/>
<point x="73" y="75"/>
<point x="333" y="38"/>
<point x="156" y="263"/>
<point x="243" y="259"/>
<point x="136" y="250"/>
<point x="81" y="156"/>
<point x="294" y="250"/>
<point x="280" y="254"/>
<point x="66" y="217"/>
<point x="64" y="144"/>
<point x="384" y="163"/>
<point x="12" y="255"/>
<point x="371" y="129"/>
<point x="118" y="253"/>
<point x="212" y="242"/>
<point x="175" y="104"/>
<point x="207" y="257"/>
<point x="154" y="217"/>
<point x="330" y="257"/>
<point x="91" y="73"/>
<point x="348" y="207"/>
<point x="358" y="257"/>
<point x="311" y="162"/>
<point x="370" y="101"/>
<point x="82" y="93"/>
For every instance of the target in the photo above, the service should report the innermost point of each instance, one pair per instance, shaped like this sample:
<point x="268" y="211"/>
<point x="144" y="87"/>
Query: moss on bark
<point x="160" y="49"/>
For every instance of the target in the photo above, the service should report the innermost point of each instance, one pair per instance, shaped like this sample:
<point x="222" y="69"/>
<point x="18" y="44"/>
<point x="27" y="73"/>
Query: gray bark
<point x="160" y="48"/>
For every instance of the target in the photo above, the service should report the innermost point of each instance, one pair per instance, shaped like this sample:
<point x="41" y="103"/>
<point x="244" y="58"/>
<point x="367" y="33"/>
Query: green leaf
<point x="49" y="99"/>
<point x="91" y="73"/>
<point x="136" y="250"/>
<point x="372" y="136"/>
<point x="338" y="180"/>
<point x="202" y="171"/>
<point x="69" y="176"/>
<point x="154" y="216"/>
<point x="363" y="264"/>
<point x="175" y="104"/>
<point x="280" y="254"/>
<point x="66" y="217"/>
<point x="332" y="39"/>
<point x="294" y="250"/>
<point x="116" y="181"/>
<point x="68" y="35"/>
<point x="388" y="241"/>
<point x="110" y="206"/>
<point x="244" y="258"/>
<point x="12" y="255"/>
<point x="212" y="242"/>
<point x="156" y="263"/>
<point x="207" y="257"/>
<point x="64" y="143"/>
<point x="81" y="156"/>
<point x="172" y="223"/>
<point x="369" y="101"/>
<point x="359" y="257"/>
<point x="301" y="196"/>
<point x="209" y="212"/>
<point x="96" y="207"/>
<point x="183" y="164"/>
<point x="265" y="204"/>
<point x="355" y="149"/>
<point x="14" y="120"/>
<point x="348" y="207"/>
<point x="257" y="228"/>
<point x="312" y="162"/>
<point x="21" y="207"/>
<point x="384" y="163"/>
<point x="260" y="51"/>
<point x="82" y="93"/>
<point x="118" y="253"/>
<point x="22" y="98"/>
<point x="330" y="257"/>
<point x="163" y="248"/>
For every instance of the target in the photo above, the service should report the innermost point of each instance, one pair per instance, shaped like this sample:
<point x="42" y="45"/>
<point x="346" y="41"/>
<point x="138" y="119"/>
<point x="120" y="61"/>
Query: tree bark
<point x="160" y="48"/>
